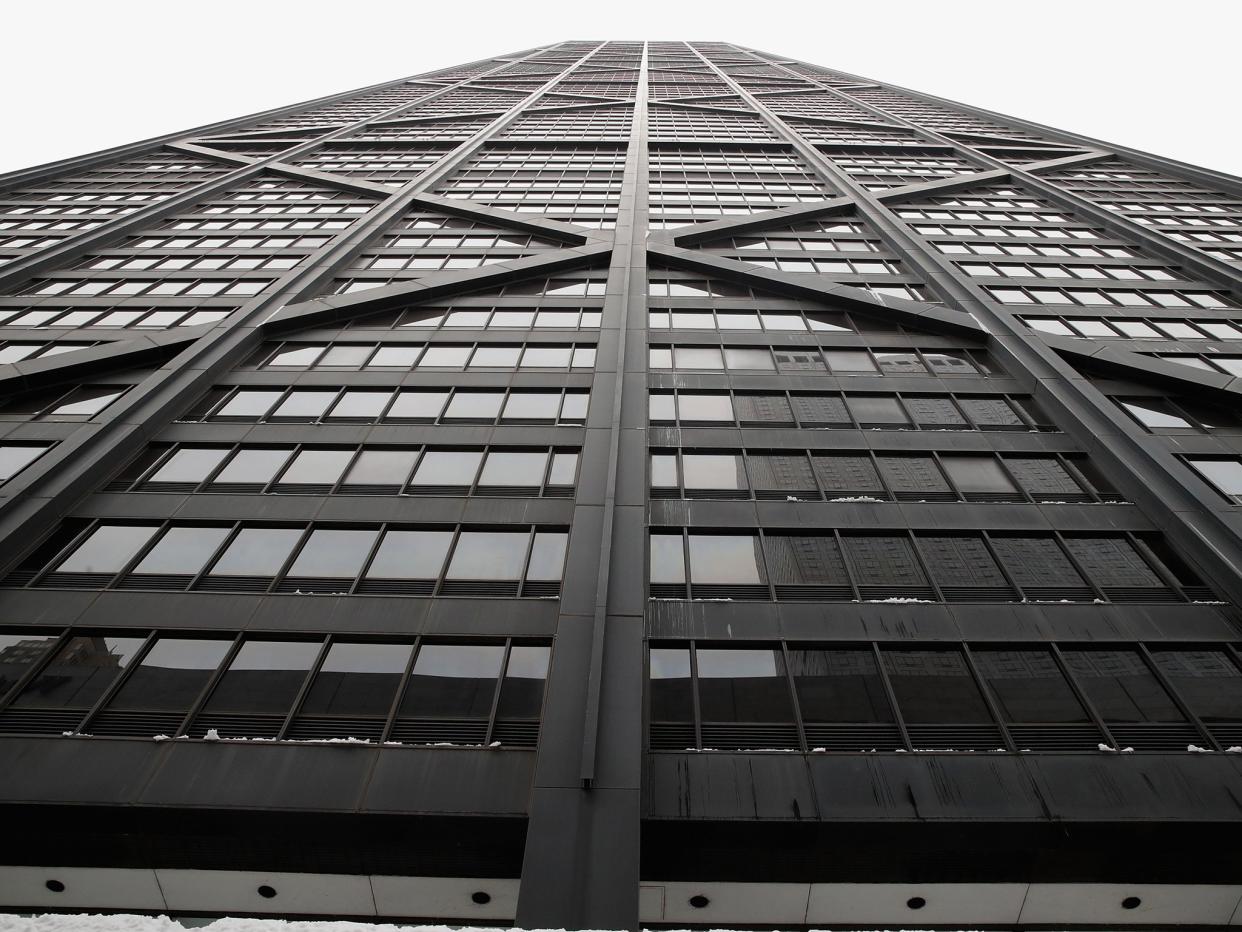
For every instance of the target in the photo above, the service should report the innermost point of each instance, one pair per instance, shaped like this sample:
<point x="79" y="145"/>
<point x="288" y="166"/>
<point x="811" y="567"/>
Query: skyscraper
<point x="623" y="483"/>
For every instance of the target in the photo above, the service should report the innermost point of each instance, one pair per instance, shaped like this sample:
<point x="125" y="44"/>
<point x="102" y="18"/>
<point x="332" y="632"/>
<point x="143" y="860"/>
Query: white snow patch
<point x="1105" y="747"/>
<point x="1194" y="748"/>
<point x="900" y="600"/>
<point x="856" y="498"/>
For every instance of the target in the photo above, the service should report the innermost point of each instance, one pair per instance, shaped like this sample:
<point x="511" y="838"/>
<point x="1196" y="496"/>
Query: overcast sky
<point x="81" y="75"/>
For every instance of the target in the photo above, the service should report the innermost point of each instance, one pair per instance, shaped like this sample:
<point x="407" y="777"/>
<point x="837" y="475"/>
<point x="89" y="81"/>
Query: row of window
<point x="845" y="411"/>
<point x="866" y="476"/>
<point x="215" y="262"/>
<point x="411" y="406"/>
<point x="481" y="318"/>
<point x="814" y="359"/>
<point x="829" y="266"/>
<point x="102" y="317"/>
<point x="372" y="470"/>
<point x="717" y="288"/>
<point x="788" y="319"/>
<point x="14" y="457"/>
<point x="1023" y="270"/>
<point x="62" y="403"/>
<point x="1230" y="365"/>
<point x="1147" y="329"/>
<point x="1109" y="298"/>
<point x="420" y="356"/>
<point x="900" y="566"/>
<point x="992" y="227"/>
<point x="383" y="559"/>
<point x="977" y="697"/>
<point x="115" y="288"/>
<point x="1036" y="249"/>
<point x="145" y="684"/>
<point x="15" y="352"/>
<point x="1175" y="414"/>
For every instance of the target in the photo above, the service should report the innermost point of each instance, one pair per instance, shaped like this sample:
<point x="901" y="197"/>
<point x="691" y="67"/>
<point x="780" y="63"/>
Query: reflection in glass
<point x="357" y="679"/>
<point x="80" y="673"/>
<point x="108" y="549"/>
<point x="453" y="681"/>
<point x="171" y="675"/>
<point x="264" y="677"/>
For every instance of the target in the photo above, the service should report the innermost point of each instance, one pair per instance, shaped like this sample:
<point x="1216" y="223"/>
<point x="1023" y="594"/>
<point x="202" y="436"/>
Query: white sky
<point x="81" y="75"/>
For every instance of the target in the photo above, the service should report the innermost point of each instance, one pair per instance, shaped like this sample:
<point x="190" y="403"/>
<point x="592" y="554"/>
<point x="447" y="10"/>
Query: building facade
<point x="623" y="484"/>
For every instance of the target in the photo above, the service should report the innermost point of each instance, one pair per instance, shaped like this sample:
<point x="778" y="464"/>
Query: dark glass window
<point x="108" y="549"/>
<point x="317" y="467"/>
<point x="1206" y="679"/>
<point x="189" y="464"/>
<point x="381" y="467"/>
<point x="172" y="674"/>
<point x="357" y="679"/>
<point x="1028" y="686"/>
<point x="339" y="554"/>
<point x="253" y="465"/>
<point x="713" y="471"/>
<point x="182" y="550"/>
<point x="257" y="552"/>
<point x="976" y="474"/>
<point x="264" y="677"/>
<point x="671" y="697"/>
<point x="743" y="686"/>
<point x="79" y="673"/>
<point x="521" y="694"/>
<point x="934" y="687"/>
<point x="839" y="686"/>
<point x="488" y="555"/>
<point x="668" y="564"/>
<point x="453" y="681"/>
<point x="1121" y="687"/>
<point x="876" y="409"/>
<point x="799" y="560"/>
<point x="410" y="555"/>
<point x="725" y="559"/>
<point x="18" y="652"/>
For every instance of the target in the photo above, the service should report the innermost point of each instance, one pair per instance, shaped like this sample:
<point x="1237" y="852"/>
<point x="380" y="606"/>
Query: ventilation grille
<point x="1156" y="736"/>
<point x="437" y="490"/>
<point x="1078" y="498"/>
<point x="302" y="488"/>
<point x="429" y="731"/>
<point x="668" y="591"/>
<point x="507" y="491"/>
<point x="754" y="736"/>
<point x="955" y="737"/>
<point x="517" y="734"/>
<point x="1058" y="593"/>
<point x="719" y="494"/>
<point x="235" y="583"/>
<point x="238" y="725"/>
<point x="478" y="588"/>
<point x="879" y="593"/>
<point x="140" y="724"/>
<point x="672" y="736"/>
<point x="178" y="487"/>
<point x="740" y="593"/>
<point x="236" y="488"/>
<point x="325" y="585"/>
<point x="311" y="727"/>
<point x="1141" y="594"/>
<point x="541" y="589"/>
<point x="397" y="586"/>
<point x="995" y="497"/>
<point x="929" y="496"/>
<point x="154" y="581"/>
<point x="870" y="737"/>
<point x="1227" y="733"/>
<point x="40" y="721"/>
<point x="977" y="594"/>
<point x="76" y="580"/>
<point x="371" y="489"/>
<point x="780" y="495"/>
<point x="815" y="593"/>
<point x="1056" y="737"/>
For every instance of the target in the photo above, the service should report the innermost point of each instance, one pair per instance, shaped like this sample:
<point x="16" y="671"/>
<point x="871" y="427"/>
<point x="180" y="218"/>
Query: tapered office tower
<point x="623" y="483"/>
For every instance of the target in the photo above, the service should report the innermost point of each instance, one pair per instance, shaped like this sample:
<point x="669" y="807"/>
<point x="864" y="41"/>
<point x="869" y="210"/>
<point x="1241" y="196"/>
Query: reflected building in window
<point x="623" y="485"/>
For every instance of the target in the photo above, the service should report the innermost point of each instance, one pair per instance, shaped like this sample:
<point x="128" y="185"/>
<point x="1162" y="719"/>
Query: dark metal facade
<point x="623" y="482"/>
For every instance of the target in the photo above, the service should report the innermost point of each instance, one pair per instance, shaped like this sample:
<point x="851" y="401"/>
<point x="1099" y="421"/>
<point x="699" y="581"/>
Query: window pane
<point x="363" y="405"/>
<point x="249" y="403"/>
<point x="799" y="560"/>
<point x="547" y="556"/>
<point x="357" y="679"/>
<point x="444" y="357"/>
<point x="564" y="469"/>
<point x="257" y="552"/>
<point x="381" y="467"/>
<point x="88" y="401"/>
<point x="1154" y="413"/>
<point x="839" y="686"/>
<point x="664" y="471"/>
<point x="304" y="404"/>
<point x="546" y="357"/>
<point x="18" y="652"/>
<point x="725" y="559"/>
<point x="671" y="699"/>
<point x="495" y="357"/>
<point x="1120" y="686"/>
<point x="346" y="356"/>
<point x="264" y="677"/>
<point x="253" y="465"/>
<point x="317" y="467"/>
<point x="453" y="681"/>
<point x="475" y="405"/>
<point x="15" y="459"/>
<point x="934" y="686"/>
<point x="513" y="469"/>
<point x="488" y="555"/>
<point x="298" y="357"/>
<point x="849" y="361"/>
<point x="876" y="409"/>
<point x="757" y="359"/>
<point x="1207" y="680"/>
<point x="743" y="686"/>
<point x="80" y="673"/>
<point x="1226" y="475"/>
<point x="108" y="549"/>
<point x="172" y="674"/>
<point x="410" y="555"/>
<point x="667" y="559"/>
<point x="1028" y="686"/>
<point x="338" y="554"/>
<point x="394" y="357"/>
<point x="531" y="406"/>
<point x="447" y="467"/>
<point x="189" y="464"/>
<point x="521" y="695"/>
<point x="423" y="405"/>
<point x="694" y="357"/>
<point x="705" y="407"/>
<point x="183" y="550"/>
<point x="713" y="471"/>
<point x="976" y="474"/>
